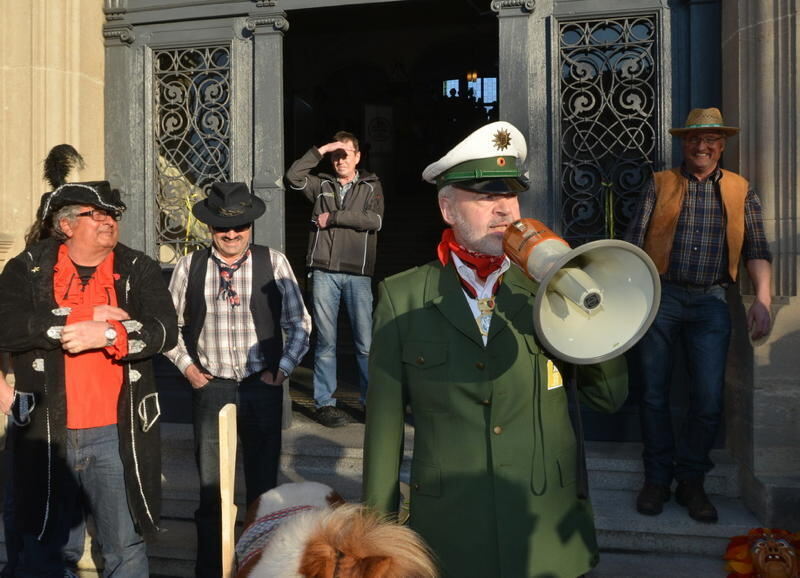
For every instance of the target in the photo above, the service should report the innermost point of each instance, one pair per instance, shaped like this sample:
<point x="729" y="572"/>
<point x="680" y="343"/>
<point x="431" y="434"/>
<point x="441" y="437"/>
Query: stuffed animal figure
<point x="306" y="530"/>
<point x="764" y="553"/>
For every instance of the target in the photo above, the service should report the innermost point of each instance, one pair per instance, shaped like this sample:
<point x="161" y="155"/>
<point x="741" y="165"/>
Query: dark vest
<point x="264" y="292"/>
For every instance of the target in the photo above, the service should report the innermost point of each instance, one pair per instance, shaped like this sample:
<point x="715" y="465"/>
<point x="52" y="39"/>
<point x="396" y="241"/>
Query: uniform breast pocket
<point x="425" y="361"/>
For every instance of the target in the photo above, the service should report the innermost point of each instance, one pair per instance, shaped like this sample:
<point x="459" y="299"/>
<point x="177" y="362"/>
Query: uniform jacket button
<point x="480" y="365"/>
<point x="498" y="430"/>
<point x="486" y="402"/>
<point x="420" y="360"/>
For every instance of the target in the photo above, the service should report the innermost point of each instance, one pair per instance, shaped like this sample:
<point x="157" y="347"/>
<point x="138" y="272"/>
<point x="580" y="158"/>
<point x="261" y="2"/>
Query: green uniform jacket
<point x="493" y="471"/>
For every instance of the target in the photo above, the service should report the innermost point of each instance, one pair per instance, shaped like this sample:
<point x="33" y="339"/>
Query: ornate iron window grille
<point x="192" y="92"/>
<point x="608" y="97"/>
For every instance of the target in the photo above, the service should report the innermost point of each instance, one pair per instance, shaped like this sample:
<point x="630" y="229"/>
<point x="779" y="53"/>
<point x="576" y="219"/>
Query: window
<point x="192" y="140"/>
<point x="482" y="90"/>
<point x="608" y="88"/>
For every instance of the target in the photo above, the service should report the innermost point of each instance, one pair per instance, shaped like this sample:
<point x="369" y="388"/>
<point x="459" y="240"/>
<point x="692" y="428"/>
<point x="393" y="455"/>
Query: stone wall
<point x="761" y="94"/>
<point x="51" y="66"/>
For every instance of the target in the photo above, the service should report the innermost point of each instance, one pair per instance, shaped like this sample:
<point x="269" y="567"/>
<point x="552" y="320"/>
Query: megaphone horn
<point x="595" y="301"/>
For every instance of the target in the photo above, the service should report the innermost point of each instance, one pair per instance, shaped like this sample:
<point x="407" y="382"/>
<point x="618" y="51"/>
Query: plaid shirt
<point x="228" y="344"/>
<point x="699" y="251"/>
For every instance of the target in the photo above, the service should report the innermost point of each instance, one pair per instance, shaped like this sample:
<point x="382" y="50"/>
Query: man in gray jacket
<point x="346" y="216"/>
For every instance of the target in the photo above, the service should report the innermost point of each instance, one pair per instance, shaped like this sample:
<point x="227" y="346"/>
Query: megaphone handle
<point x="582" y="475"/>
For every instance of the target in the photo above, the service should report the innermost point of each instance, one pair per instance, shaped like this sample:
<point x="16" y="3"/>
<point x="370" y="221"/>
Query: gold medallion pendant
<point x="485" y="306"/>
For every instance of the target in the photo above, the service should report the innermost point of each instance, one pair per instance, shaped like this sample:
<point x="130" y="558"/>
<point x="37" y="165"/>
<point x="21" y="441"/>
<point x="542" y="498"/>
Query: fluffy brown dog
<point x="305" y="530"/>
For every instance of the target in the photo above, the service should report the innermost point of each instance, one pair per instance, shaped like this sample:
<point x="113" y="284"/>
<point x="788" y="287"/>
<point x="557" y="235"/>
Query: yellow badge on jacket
<point x="554" y="380"/>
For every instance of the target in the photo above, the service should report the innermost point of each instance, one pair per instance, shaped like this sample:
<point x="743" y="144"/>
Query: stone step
<point x="618" y="466"/>
<point x="637" y="565"/>
<point x="172" y="555"/>
<point x="334" y="456"/>
<point x="311" y="450"/>
<point x="621" y="528"/>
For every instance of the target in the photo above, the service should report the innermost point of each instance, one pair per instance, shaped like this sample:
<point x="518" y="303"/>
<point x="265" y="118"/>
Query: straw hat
<point x="704" y="119"/>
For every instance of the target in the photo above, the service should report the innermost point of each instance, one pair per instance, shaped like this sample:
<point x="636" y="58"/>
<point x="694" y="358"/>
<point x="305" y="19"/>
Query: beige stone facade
<point x="761" y="94"/>
<point x="51" y="92"/>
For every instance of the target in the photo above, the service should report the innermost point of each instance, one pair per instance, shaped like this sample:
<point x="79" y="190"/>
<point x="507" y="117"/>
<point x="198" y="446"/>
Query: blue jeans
<point x="698" y="320"/>
<point x="71" y="552"/>
<point x="96" y="482"/>
<point x="259" y="408"/>
<point x="356" y="292"/>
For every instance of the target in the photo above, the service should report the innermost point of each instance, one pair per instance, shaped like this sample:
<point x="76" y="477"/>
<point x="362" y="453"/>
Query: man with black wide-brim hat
<point x="83" y="315"/>
<point x="235" y="300"/>
<point x="697" y="222"/>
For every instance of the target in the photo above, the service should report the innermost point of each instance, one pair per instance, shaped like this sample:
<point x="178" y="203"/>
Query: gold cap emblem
<point x="501" y="139"/>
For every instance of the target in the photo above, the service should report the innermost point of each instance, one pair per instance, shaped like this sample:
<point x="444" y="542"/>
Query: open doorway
<point x="396" y="75"/>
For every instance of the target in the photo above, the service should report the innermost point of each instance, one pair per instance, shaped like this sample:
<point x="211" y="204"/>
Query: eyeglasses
<point x="342" y="153"/>
<point x="709" y="140"/>
<point x="100" y="215"/>
<point x="238" y="229"/>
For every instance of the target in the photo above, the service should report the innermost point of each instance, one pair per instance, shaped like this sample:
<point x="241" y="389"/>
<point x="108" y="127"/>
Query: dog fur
<point x="321" y="537"/>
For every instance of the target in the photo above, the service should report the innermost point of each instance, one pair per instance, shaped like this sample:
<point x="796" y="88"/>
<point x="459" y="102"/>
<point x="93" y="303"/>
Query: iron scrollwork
<point x="608" y="97"/>
<point x="192" y="92"/>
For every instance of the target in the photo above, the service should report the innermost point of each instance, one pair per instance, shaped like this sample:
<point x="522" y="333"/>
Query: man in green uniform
<point x="493" y="476"/>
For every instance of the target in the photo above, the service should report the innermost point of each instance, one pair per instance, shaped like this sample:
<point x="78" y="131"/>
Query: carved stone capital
<point x="266" y="3"/>
<point x="523" y="6"/>
<point x="115" y="9"/>
<point x="123" y="34"/>
<point x="277" y="22"/>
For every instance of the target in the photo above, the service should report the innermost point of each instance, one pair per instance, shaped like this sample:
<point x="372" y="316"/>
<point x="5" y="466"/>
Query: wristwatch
<point x="110" y="335"/>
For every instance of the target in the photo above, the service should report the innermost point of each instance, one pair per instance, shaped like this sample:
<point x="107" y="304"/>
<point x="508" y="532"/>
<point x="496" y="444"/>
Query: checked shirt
<point x="228" y="344"/>
<point x="699" y="252"/>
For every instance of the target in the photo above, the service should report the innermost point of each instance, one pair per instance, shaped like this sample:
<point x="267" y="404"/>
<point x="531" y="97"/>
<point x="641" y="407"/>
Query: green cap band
<point x="705" y="125"/>
<point x="488" y="168"/>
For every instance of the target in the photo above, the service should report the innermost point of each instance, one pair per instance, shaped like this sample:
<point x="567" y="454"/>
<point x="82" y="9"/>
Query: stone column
<point x="124" y="134"/>
<point x="52" y="93"/>
<point x="268" y="26"/>
<point x="760" y="94"/>
<point x="525" y="90"/>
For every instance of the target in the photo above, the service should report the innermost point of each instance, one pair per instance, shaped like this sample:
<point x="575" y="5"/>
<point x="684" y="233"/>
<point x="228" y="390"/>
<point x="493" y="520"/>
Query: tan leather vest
<point x="671" y="187"/>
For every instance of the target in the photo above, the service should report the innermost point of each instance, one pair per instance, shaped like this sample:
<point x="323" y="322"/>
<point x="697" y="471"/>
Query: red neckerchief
<point x="483" y="265"/>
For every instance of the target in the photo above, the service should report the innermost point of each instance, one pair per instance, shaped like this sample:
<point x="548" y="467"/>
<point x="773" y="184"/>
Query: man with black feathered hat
<point x="83" y="315"/>
<point x="236" y="301"/>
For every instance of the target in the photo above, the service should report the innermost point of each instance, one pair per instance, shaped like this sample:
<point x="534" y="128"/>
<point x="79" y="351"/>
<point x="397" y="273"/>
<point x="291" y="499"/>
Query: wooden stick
<point x="227" y="477"/>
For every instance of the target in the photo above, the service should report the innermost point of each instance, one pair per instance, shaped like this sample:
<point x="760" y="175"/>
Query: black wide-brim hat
<point x="229" y="205"/>
<point x="98" y="194"/>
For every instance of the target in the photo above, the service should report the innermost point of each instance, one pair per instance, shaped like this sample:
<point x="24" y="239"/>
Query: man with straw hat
<point x="697" y="222"/>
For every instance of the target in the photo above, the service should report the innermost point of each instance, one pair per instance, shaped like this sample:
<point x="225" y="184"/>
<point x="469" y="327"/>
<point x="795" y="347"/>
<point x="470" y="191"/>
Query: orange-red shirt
<point x="94" y="377"/>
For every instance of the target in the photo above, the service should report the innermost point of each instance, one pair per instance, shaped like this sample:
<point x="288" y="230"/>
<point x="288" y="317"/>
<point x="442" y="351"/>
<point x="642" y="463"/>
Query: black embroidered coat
<point x="29" y="330"/>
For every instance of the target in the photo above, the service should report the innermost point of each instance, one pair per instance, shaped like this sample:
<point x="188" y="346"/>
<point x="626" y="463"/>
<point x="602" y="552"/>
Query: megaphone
<point x="595" y="301"/>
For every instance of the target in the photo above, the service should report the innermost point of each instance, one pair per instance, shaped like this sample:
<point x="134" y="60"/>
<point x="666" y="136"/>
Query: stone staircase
<point x="670" y="545"/>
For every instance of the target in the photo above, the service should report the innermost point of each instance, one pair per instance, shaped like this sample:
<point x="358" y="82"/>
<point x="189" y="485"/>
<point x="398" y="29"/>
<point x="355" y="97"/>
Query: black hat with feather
<point x="58" y="164"/>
